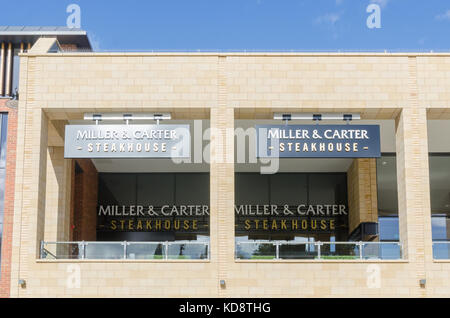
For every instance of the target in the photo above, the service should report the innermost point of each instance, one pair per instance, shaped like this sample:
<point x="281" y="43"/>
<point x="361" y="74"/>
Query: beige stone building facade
<point x="408" y="89"/>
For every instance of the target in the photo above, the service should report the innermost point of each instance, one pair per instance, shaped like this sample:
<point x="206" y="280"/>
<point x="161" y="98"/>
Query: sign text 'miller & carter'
<point x="127" y="141"/>
<point x="318" y="141"/>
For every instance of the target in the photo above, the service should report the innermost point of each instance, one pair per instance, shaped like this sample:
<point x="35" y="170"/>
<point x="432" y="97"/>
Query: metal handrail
<point x="128" y="242"/>
<point x="81" y="253"/>
<point x="315" y="242"/>
<point x="165" y="255"/>
<point x="318" y="246"/>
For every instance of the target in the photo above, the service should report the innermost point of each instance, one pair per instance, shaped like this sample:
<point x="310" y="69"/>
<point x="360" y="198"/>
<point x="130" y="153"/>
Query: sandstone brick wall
<point x="362" y="192"/>
<point x="224" y="87"/>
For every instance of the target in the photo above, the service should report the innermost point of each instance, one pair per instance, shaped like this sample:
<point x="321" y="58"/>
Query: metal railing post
<point x="83" y="250"/>
<point x="166" y="252"/>
<point x="236" y="250"/>
<point x="318" y="249"/>
<point x="42" y="250"/>
<point x="360" y="246"/>
<point x="125" y="249"/>
<point x="277" y="250"/>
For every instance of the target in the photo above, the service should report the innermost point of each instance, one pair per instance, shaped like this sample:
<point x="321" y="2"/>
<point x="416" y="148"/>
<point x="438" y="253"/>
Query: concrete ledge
<point x="338" y="261"/>
<point x="123" y="261"/>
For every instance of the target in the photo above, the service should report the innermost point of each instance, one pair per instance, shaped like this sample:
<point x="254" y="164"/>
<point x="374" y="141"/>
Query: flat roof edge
<point x="43" y="33"/>
<point x="269" y="54"/>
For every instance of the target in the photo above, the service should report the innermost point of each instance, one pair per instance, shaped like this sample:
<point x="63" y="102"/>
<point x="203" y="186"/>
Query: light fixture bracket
<point x="316" y="116"/>
<point x="127" y="117"/>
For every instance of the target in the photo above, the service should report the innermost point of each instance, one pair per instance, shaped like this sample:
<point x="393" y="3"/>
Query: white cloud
<point x="330" y="18"/>
<point x="381" y="3"/>
<point x="444" y="16"/>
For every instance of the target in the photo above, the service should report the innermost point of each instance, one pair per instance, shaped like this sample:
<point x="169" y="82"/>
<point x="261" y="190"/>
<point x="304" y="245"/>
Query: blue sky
<point x="245" y="24"/>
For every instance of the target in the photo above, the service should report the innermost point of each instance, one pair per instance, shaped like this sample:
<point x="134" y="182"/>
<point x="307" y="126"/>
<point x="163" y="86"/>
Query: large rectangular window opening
<point x="138" y="208"/>
<point x="3" y="142"/>
<point x="317" y="208"/>
<point x="439" y="172"/>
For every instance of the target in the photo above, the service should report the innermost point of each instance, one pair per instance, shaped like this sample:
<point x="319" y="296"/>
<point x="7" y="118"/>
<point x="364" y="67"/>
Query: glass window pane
<point x="327" y="189"/>
<point x="155" y="189"/>
<point x="440" y="196"/>
<point x="16" y="71"/>
<point x="174" y="191"/>
<point x="388" y="227"/>
<point x="439" y="227"/>
<point x="387" y="185"/>
<point x="255" y="192"/>
<point x="441" y="250"/>
<point x="145" y="250"/>
<point x="440" y="184"/>
<point x="117" y="189"/>
<point x="3" y="139"/>
<point x="252" y="188"/>
<point x="288" y="189"/>
<point x="192" y="188"/>
<point x="2" y="193"/>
